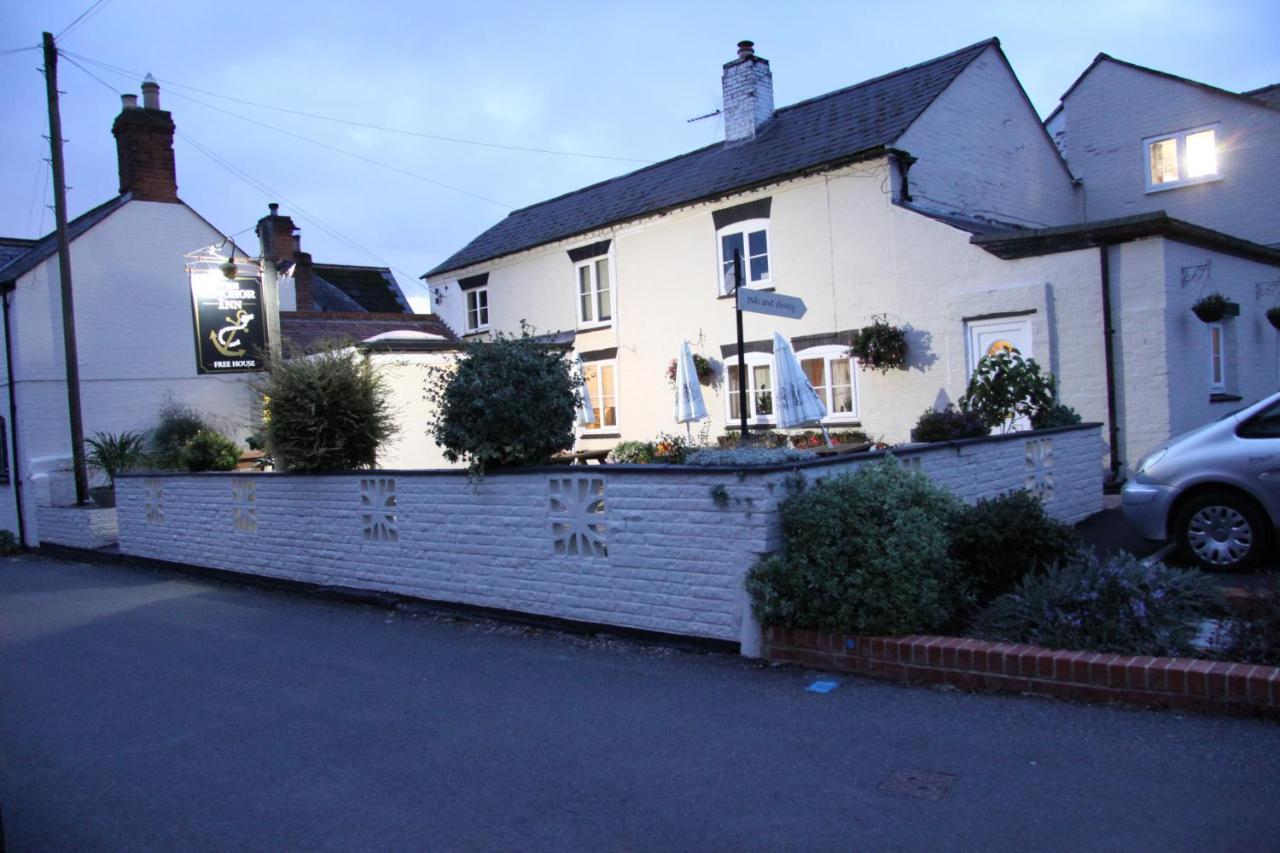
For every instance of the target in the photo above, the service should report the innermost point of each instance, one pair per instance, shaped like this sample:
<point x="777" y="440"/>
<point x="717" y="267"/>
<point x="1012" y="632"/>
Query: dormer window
<point x="477" y="309"/>
<point x="750" y="240"/>
<point x="1182" y="158"/>
<point x="595" y="294"/>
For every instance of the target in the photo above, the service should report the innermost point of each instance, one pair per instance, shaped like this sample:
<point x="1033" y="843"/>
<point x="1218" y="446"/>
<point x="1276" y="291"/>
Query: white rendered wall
<point x="133" y="331"/>
<point x="669" y="551"/>
<point x="1115" y="107"/>
<point x="981" y="151"/>
<point x="406" y="375"/>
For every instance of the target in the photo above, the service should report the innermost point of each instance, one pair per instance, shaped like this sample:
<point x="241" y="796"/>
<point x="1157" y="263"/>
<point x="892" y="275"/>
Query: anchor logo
<point x="225" y="338"/>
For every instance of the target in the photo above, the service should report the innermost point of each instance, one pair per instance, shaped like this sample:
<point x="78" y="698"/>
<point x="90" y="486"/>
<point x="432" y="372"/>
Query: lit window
<point x="600" y="377"/>
<point x="751" y="240"/>
<point x="759" y="389"/>
<point x="595" y="294"/>
<point x="1217" y="370"/>
<point x="477" y="309"/>
<point x="830" y="372"/>
<point x="1178" y="159"/>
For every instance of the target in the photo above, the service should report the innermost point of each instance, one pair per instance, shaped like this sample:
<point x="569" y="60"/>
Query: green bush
<point x="326" y="411"/>
<point x="9" y="544"/>
<point x="1255" y="638"/>
<point x="948" y="425"/>
<point x="115" y="454"/>
<point x="1057" y="415"/>
<point x="179" y="423"/>
<point x="998" y="541"/>
<point x="210" y="451"/>
<point x="510" y="401"/>
<point x="1006" y="386"/>
<point x="632" y="452"/>
<point x="866" y="552"/>
<point x="1117" y="605"/>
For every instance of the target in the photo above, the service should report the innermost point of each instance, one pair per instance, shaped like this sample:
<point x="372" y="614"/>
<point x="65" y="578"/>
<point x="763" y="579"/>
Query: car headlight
<point x="1151" y="459"/>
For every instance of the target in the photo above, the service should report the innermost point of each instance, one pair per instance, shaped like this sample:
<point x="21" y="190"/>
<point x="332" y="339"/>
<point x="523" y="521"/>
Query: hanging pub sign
<point x="231" y="331"/>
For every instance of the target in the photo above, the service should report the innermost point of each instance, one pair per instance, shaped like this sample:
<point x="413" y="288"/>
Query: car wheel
<point x="1222" y="532"/>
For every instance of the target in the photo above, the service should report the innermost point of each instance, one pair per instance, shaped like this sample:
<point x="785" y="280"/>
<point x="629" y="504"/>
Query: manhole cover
<point x="921" y="784"/>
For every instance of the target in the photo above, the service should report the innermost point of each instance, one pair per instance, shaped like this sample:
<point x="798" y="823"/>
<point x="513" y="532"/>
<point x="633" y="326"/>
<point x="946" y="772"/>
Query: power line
<point x="19" y="49"/>
<point x="366" y="125"/>
<point x="93" y="9"/>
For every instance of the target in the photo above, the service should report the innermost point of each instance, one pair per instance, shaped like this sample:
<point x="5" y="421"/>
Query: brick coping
<point x="1161" y="682"/>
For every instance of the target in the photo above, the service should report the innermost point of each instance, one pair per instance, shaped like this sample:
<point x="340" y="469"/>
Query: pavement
<point x="145" y="710"/>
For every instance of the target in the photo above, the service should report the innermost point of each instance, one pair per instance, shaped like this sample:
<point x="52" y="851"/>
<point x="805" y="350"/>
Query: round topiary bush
<point x="509" y="401"/>
<point x="327" y="411"/>
<point x="179" y="423"/>
<point x="867" y="553"/>
<point x="210" y="451"/>
<point x="947" y="425"/>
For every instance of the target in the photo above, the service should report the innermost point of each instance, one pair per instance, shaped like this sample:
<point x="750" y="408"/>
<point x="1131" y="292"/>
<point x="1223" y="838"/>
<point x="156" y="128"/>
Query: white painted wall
<point x="134" y="335"/>
<point x="674" y="556"/>
<point x="1115" y="107"/>
<point x="982" y="151"/>
<point x="406" y="375"/>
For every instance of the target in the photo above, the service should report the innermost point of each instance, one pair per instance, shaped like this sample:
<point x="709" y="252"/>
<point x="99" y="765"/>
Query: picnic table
<point x="580" y="457"/>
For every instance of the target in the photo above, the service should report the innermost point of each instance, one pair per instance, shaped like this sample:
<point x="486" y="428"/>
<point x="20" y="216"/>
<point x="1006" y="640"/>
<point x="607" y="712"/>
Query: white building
<point x="933" y="195"/>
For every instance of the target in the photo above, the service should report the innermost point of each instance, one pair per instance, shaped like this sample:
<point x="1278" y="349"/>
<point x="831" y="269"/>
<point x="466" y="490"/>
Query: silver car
<point x="1215" y="490"/>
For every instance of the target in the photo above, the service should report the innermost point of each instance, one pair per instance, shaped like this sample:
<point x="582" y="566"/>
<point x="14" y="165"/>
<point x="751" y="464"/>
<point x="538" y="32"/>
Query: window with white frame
<point x="1181" y="158"/>
<point x="595" y="292"/>
<point x="1217" y="360"/>
<point x="759" y="370"/>
<point x="831" y="372"/>
<point x="477" y="309"/>
<point x="751" y="239"/>
<point x="601" y="379"/>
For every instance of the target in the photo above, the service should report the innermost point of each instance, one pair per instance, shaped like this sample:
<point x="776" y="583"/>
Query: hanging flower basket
<point x="705" y="369"/>
<point x="1273" y="316"/>
<point x="1214" y="307"/>
<point x="880" y="346"/>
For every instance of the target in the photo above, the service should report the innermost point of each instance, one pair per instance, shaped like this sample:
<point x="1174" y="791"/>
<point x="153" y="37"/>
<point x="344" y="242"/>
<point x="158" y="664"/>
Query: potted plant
<point x="112" y="455"/>
<point x="1273" y="316"/>
<point x="880" y="346"/>
<point x="1215" y="306"/>
<point x="705" y="369"/>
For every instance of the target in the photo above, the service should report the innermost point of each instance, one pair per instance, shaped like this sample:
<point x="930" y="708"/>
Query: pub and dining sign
<point x="231" y="331"/>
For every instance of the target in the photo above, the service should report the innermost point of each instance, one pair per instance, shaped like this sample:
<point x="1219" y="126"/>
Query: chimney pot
<point x="746" y="48"/>
<point x="130" y="102"/>
<point x="274" y="208"/>
<point x="150" y="93"/>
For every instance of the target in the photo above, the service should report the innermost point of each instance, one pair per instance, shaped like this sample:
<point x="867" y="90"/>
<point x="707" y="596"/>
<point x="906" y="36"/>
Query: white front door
<point x="988" y="337"/>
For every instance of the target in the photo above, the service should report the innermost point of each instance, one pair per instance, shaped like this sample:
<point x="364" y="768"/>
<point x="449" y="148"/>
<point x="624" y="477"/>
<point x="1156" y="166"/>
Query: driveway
<point x="141" y="710"/>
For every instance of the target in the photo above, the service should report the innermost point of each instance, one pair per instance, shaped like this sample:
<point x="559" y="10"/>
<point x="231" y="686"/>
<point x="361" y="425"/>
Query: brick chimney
<point x="748" y="94"/>
<point x="144" y="146"/>
<point x="282" y="244"/>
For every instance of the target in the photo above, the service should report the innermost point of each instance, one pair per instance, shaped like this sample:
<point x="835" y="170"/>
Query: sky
<point x="607" y="87"/>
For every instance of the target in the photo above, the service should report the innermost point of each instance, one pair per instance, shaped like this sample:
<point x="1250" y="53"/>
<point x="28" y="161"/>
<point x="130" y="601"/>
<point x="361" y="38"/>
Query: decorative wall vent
<point x="244" y="509"/>
<point x="1039" y="479"/>
<point x="378" y="509"/>
<point x="153" y="491"/>
<point x="578" y="517"/>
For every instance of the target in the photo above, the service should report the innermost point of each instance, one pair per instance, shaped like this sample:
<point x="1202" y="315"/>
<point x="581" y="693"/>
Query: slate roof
<point x="46" y="246"/>
<point x="307" y="328"/>
<point x="12" y="247"/>
<point x="841" y="126"/>
<point x="1269" y="95"/>
<point x="372" y="288"/>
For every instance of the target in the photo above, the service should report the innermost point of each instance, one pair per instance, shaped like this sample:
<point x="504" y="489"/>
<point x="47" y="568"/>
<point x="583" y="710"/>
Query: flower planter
<point x="1213" y="308"/>
<point x="1273" y="316"/>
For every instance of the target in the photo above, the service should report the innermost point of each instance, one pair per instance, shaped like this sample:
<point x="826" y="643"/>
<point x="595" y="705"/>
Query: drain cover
<point x="921" y="784"/>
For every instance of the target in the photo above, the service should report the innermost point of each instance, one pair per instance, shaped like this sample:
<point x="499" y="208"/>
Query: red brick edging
<point x="1014" y="668"/>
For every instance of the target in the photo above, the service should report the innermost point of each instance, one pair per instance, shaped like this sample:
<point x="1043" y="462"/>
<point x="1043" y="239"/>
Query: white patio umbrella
<point x="689" y="404"/>
<point x="586" y="413"/>
<point x="798" y="403"/>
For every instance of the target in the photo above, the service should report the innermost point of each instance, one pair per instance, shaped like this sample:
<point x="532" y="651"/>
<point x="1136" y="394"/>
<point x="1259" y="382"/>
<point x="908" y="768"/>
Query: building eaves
<point x="851" y="124"/>
<point x="46" y="246"/>
<point x="1010" y="245"/>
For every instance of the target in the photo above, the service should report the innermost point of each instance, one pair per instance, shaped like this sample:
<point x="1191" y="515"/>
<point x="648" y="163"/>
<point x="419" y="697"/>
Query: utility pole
<point x="64" y="272"/>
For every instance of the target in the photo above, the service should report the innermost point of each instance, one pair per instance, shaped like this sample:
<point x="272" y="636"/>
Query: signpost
<point x="229" y="327"/>
<point x="757" y="302"/>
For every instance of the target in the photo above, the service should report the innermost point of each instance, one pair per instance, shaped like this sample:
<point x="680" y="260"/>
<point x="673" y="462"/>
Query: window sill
<point x="1177" y="185"/>
<point x="751" y="426"/>
<point x="1221" y="397"/>
<point x="605" y="434"/>
<point x="769" y="289"/>
<point x="595" y="327"/>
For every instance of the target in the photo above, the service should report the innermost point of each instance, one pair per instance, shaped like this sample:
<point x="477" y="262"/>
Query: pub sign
<point x="231" y="331"/>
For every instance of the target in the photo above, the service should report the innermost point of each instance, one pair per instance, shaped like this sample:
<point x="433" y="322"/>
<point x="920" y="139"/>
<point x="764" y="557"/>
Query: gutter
<point x="1109" y="358"/>
<point x="15" y="473"/>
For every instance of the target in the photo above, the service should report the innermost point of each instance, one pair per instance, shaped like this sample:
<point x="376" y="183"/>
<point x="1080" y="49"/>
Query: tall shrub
<point x="325" y="411"/>
<point x="179" y="423"/>
<point x="509" y="401"/>
<point x="1005" y="386"/>
<point x="867" y="553"/>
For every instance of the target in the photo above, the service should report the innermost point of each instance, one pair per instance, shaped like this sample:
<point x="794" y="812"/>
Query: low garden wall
<point x="654" y="547"/>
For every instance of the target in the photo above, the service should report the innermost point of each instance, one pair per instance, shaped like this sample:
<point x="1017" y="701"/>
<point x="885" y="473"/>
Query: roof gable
<point x="841" y="126"/>
<point x="45" y="247"/>
<point x="1257" y="97"/>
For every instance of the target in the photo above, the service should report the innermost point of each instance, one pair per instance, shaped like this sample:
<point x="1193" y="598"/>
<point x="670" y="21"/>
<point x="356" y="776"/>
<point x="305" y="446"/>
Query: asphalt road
<point x="141" y="710"/>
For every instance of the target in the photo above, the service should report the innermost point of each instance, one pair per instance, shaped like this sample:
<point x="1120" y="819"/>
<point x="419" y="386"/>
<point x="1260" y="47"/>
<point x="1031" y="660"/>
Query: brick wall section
<point x="144" y="151"/>
<point x="680" y="540"/>
<point x="77" y="527"/>
<point x="1014" y="668"/>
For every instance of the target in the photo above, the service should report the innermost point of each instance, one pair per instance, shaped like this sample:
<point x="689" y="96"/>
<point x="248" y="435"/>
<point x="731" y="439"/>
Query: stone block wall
<point x="659" y="548"/>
